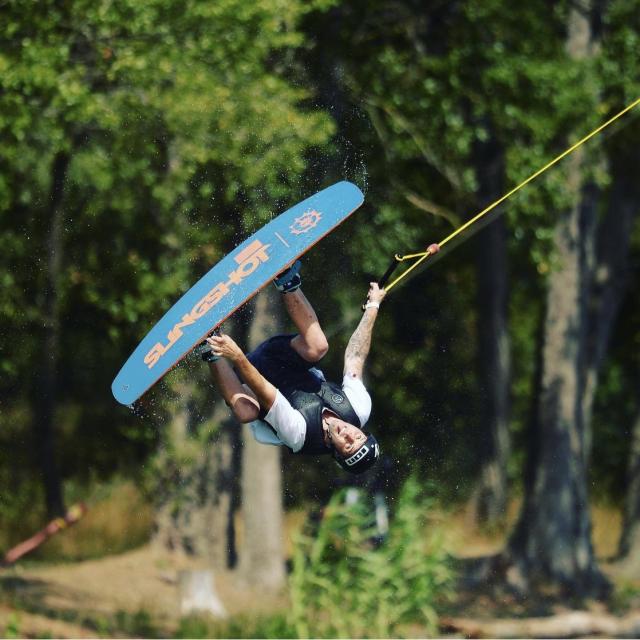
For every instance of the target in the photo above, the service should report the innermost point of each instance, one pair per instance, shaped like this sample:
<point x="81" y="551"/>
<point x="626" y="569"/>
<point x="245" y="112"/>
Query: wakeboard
<point x="230" y="283"/>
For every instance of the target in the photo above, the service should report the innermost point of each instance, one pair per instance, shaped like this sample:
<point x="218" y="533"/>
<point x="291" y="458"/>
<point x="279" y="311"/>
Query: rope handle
<point x="393" y="265"/>
<point x="397" y="259"/>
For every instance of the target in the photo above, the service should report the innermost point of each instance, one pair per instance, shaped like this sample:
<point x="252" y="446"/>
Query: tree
<point x="45" y="387"/>
<point x="262" y="556"/>
<point x="440" y="84"/>
<point x="196" y="488"/>
<point x="553" y="537"/>
<point x="129" y="130"/>
<point x="630" y="539"/>
<point x="437" y="84"/>
<point x="490" y="493"/>
<point x="611" y="285"/>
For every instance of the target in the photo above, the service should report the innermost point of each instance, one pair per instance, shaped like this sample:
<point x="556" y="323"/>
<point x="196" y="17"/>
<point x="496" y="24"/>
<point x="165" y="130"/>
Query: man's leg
<point x="310" y="343"/>
<point x="239" y="397"/>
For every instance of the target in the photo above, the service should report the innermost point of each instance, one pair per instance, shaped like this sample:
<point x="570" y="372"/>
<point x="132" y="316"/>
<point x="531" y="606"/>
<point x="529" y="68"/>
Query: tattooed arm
<point x="360" y="342"/>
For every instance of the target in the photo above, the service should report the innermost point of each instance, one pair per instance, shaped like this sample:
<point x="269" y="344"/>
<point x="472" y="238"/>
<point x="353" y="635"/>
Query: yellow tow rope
<point x="424" y="255"/>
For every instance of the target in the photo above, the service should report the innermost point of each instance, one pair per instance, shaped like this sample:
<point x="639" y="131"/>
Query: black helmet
<point x="364" y="458"/>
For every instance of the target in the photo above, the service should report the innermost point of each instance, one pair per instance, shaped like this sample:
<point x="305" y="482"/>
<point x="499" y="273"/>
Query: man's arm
<point x="288" y="423"/>
<point x="265" y="392"/>
<point x="360" y="342"/>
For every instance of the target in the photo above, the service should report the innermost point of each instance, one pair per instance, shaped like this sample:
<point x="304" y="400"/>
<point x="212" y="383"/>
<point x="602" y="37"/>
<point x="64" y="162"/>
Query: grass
<point x="141" y="624"/>
<point x="137" y="624"/>
<point x="274" y="626"/>
<point x="626" y="597"/>
<point x="12" y="628"/>
<point x="119" y="520"/>
<point x="467" y="540"/>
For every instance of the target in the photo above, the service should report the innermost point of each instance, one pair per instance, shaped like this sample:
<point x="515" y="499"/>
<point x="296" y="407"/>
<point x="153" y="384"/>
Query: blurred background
<point x="141" y="141"/>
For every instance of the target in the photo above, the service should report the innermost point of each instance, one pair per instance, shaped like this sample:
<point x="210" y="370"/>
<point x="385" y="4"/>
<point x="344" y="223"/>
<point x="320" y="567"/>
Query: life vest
<point x="311" y="404"/>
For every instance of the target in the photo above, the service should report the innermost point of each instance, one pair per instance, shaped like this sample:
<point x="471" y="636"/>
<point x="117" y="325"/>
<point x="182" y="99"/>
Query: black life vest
<point x="310" y="405"/>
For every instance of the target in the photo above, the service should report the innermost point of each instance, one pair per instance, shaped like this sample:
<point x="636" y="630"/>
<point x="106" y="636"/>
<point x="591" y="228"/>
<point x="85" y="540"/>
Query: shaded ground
<point x="132" y="592"/>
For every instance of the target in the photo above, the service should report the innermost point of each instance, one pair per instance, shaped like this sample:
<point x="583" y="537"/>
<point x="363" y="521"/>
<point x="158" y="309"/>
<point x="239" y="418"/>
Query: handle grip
<point x="386" y="275"/>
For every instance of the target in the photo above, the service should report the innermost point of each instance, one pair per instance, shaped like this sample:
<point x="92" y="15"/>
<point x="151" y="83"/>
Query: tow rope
<point x="422" y="256"/>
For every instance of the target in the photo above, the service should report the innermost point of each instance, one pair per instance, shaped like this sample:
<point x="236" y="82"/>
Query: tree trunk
<point x="490" y="496"/>
<point x="47" y="369"/>
<point x="629" y="549"/>
<point x="552" y="542"/>
<point x="196" y="493"/>
<point x="262" y="557"/>
<point x="625" y="199"/>
<point x="221" y="471"/>
<point x="198" y="594"/>
<point x="611" y="283"/>
<point x="612" y="273"/>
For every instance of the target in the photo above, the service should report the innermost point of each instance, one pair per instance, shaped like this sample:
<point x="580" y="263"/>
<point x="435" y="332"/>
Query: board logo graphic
<point x="248" y="260"/>
<point x="307" y="221"/>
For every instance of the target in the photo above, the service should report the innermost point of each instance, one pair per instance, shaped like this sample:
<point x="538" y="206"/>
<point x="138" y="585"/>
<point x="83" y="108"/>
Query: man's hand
<point x="223" y="345"/>
<point x="376" y="294"/>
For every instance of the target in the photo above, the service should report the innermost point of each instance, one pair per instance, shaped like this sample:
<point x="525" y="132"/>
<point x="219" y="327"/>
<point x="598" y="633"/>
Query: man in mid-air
<point x="287" y="400"/>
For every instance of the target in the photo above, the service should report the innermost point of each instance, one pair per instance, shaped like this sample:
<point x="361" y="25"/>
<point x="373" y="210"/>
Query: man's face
<point x="345" y="437"/>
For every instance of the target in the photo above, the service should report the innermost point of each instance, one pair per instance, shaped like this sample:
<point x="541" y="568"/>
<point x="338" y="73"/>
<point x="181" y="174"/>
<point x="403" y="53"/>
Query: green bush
<point x="344" y="585"/>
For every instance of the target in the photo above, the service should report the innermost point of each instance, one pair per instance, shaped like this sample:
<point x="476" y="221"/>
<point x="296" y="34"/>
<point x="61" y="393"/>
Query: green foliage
<point x="436" y="83"/>
<point x="343" y="585"/>
<point x="183" y="128"/>
<point x="168" y="114"/>
<point x="188" y="124"/>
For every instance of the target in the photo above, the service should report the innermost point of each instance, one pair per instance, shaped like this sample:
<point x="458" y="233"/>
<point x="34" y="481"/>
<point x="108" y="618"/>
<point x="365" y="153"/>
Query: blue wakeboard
<point x="230" y="283"/>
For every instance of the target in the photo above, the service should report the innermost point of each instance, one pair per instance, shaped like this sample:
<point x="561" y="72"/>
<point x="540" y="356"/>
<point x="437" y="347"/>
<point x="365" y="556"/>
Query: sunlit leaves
<point x="183" y="131"/>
